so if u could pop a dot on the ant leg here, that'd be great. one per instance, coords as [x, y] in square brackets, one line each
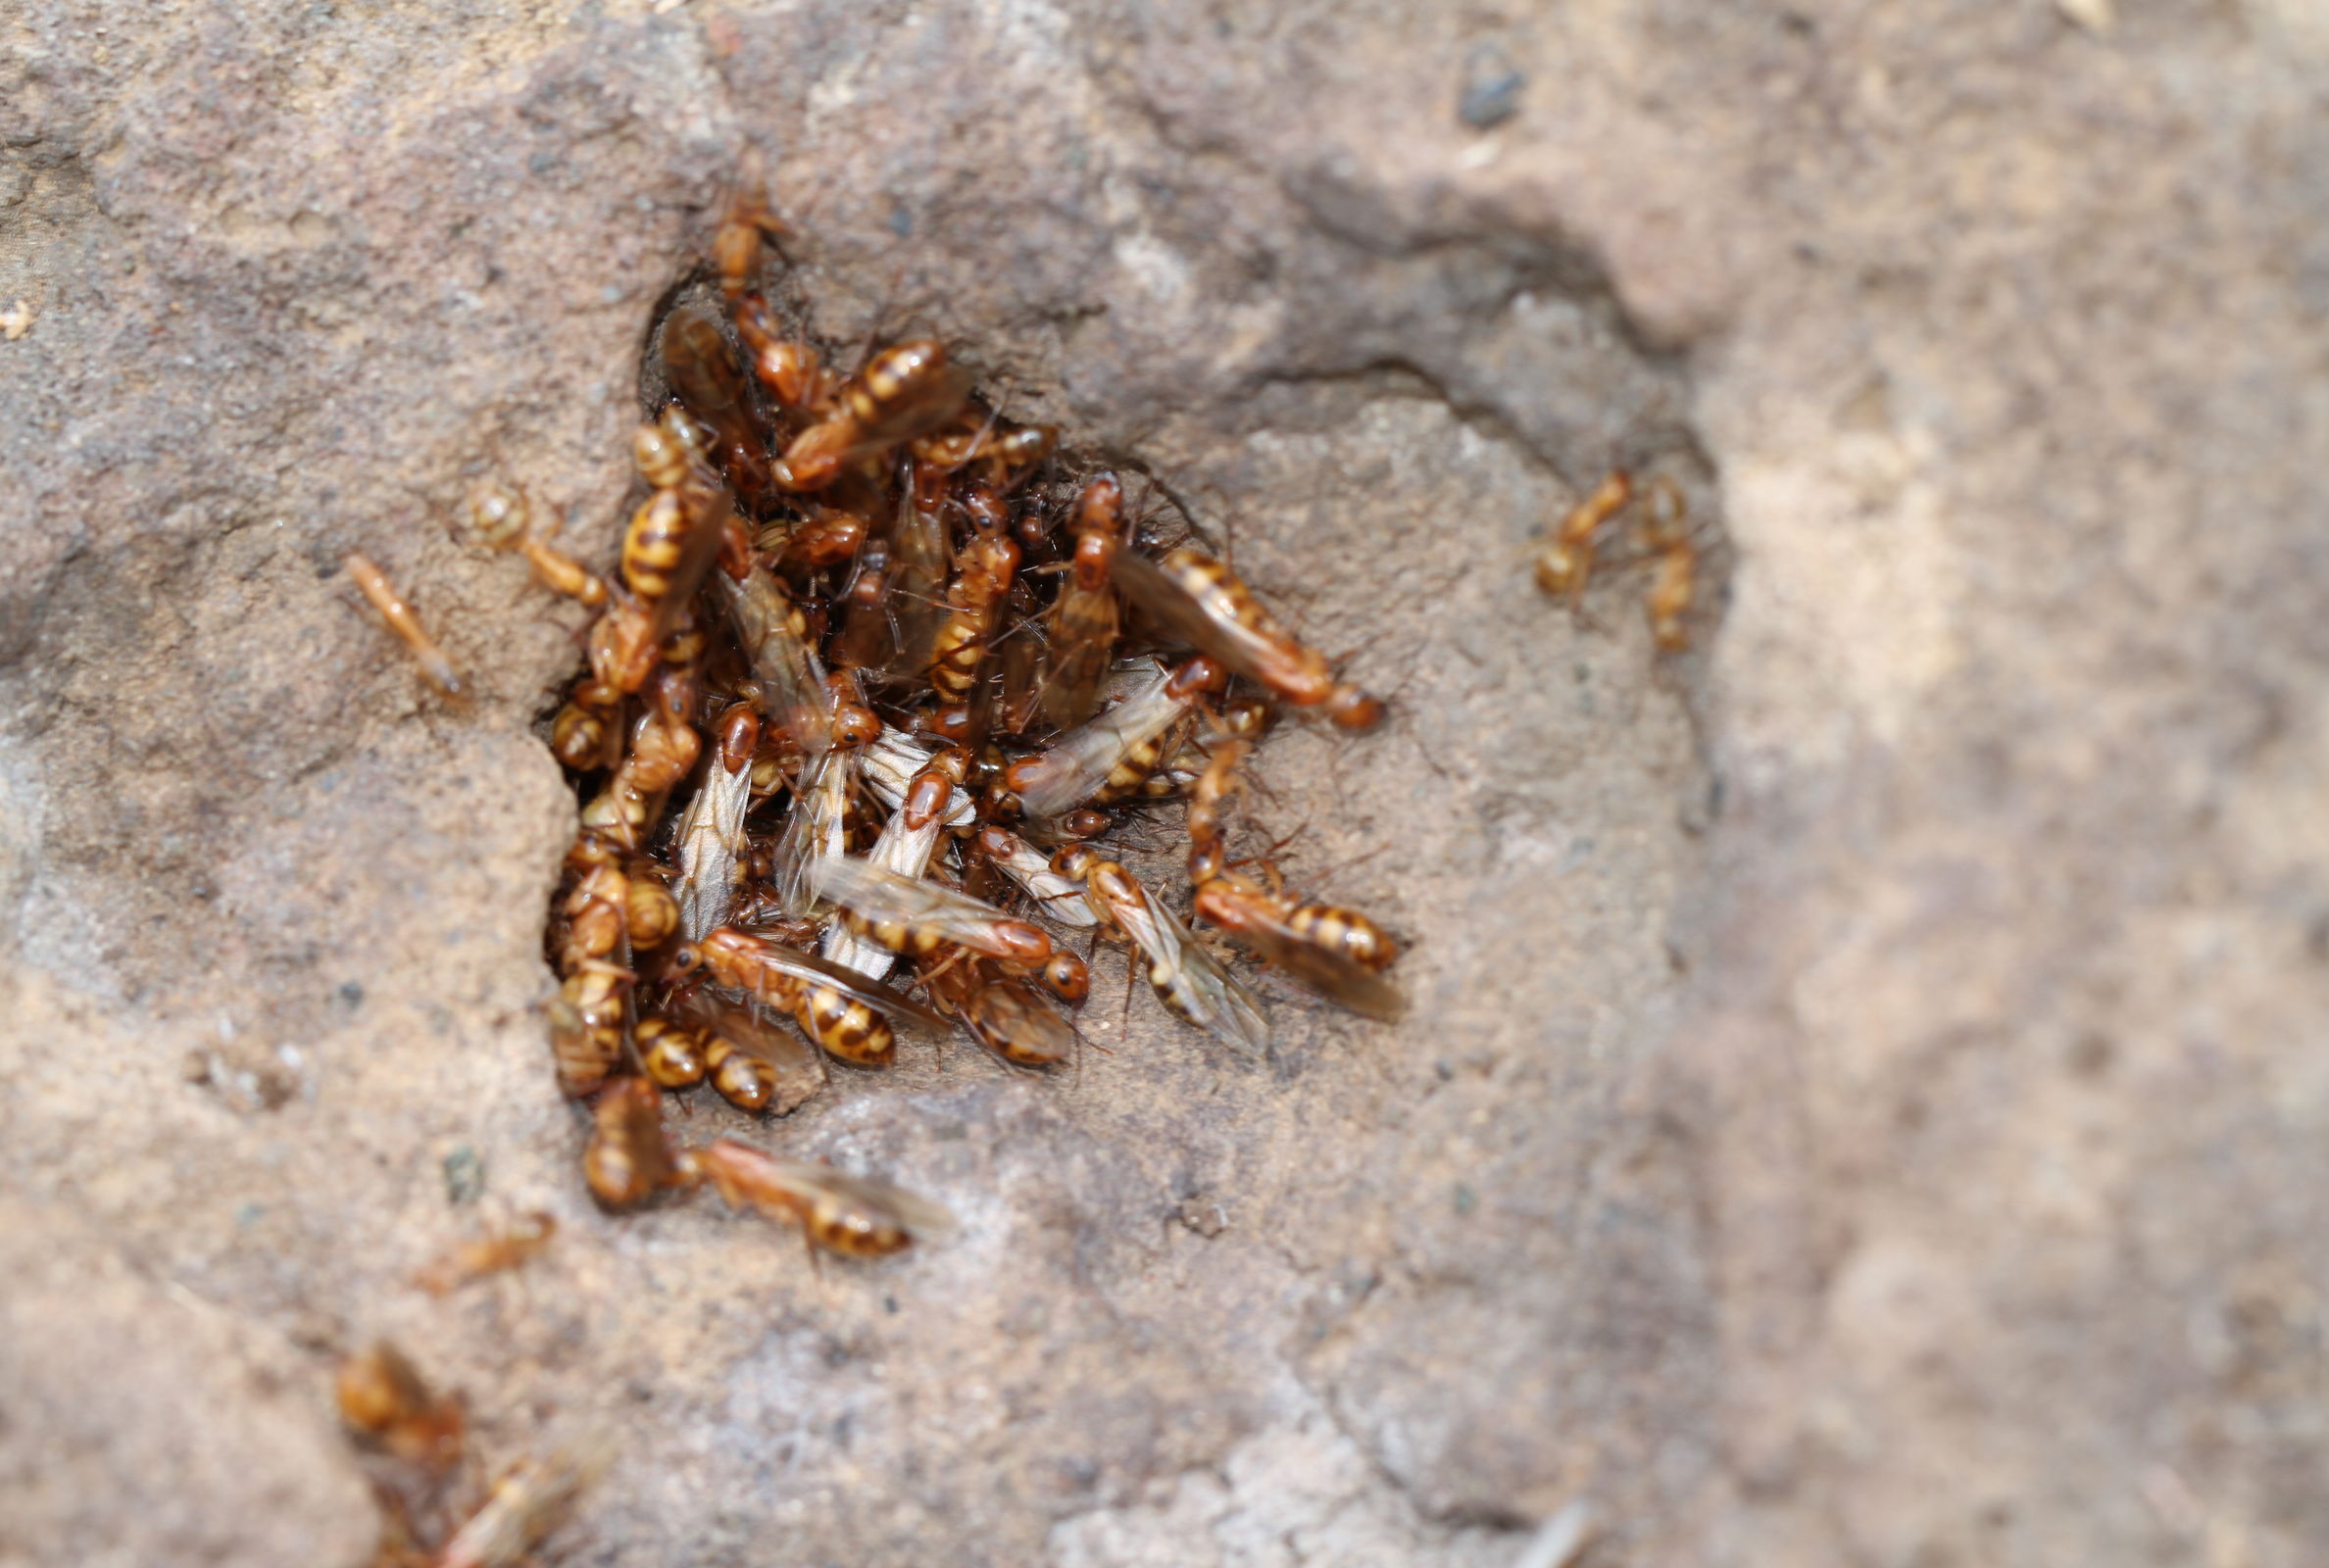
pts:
[1132, 960]
[994, 417]
[951, 960]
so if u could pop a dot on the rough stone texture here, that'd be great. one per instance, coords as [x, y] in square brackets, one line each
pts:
[1867, 1101]
[144, 1425]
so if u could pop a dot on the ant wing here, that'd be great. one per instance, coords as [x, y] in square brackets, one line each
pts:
[1323, 970]
[1189, 980]
[525, 1505]
[1231, 1011]
[710, 836]
[1244, 649]
[915, 1212]
[1077, 766]
[709, 512]
[932, 405]
[742, 1024]
[791, 681]
[1057, 897]
[848, 982]
[882, 895]
[890, 763]
[906, 852]
[1009, 1019]
[915, 599]
[1083, 632]
[812, 831]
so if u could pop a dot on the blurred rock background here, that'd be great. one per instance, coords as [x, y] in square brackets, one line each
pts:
[1867, 1099]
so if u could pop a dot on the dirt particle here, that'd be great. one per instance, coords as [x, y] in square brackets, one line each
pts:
[465, 1176]
[1491, 88]
[1203, 1216]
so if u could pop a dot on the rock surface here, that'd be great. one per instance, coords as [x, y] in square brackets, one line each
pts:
[1867, 1100]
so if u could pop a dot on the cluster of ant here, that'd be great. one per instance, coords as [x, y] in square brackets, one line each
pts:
[875, 679]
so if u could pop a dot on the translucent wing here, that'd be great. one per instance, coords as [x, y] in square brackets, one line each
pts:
[708, 508]
[800, 1071]
[889, 765]
[884, 896]
[900, 850]
[1251, 653]
[919, 1214]
[1188, 979]
[1121, 681]
[1003, 1013]
[1009, 1018]
[792, 683]
[1058, 897]
[1076, 768]
[917, 586]
[1333, 975]
[710, 840]
[1083, 633]
[913, 1211]
[707, 379]
[813, 832]
[527, 1503]
[930, 406]
[850, 982]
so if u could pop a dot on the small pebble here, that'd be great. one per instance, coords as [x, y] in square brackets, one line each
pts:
[465, 1176]
[1492, 86]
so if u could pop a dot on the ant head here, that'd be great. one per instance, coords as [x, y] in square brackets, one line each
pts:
[1560, 569]
[1068, 977]
[856, 724]
[889, 372]
[1100, 508]
[1352, 709]
[1198, 674]
[498, 512]
[1665, 509]
[590, 850]
[739, 736]
[1075, 859]
[984, 508]
[1245, 719]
